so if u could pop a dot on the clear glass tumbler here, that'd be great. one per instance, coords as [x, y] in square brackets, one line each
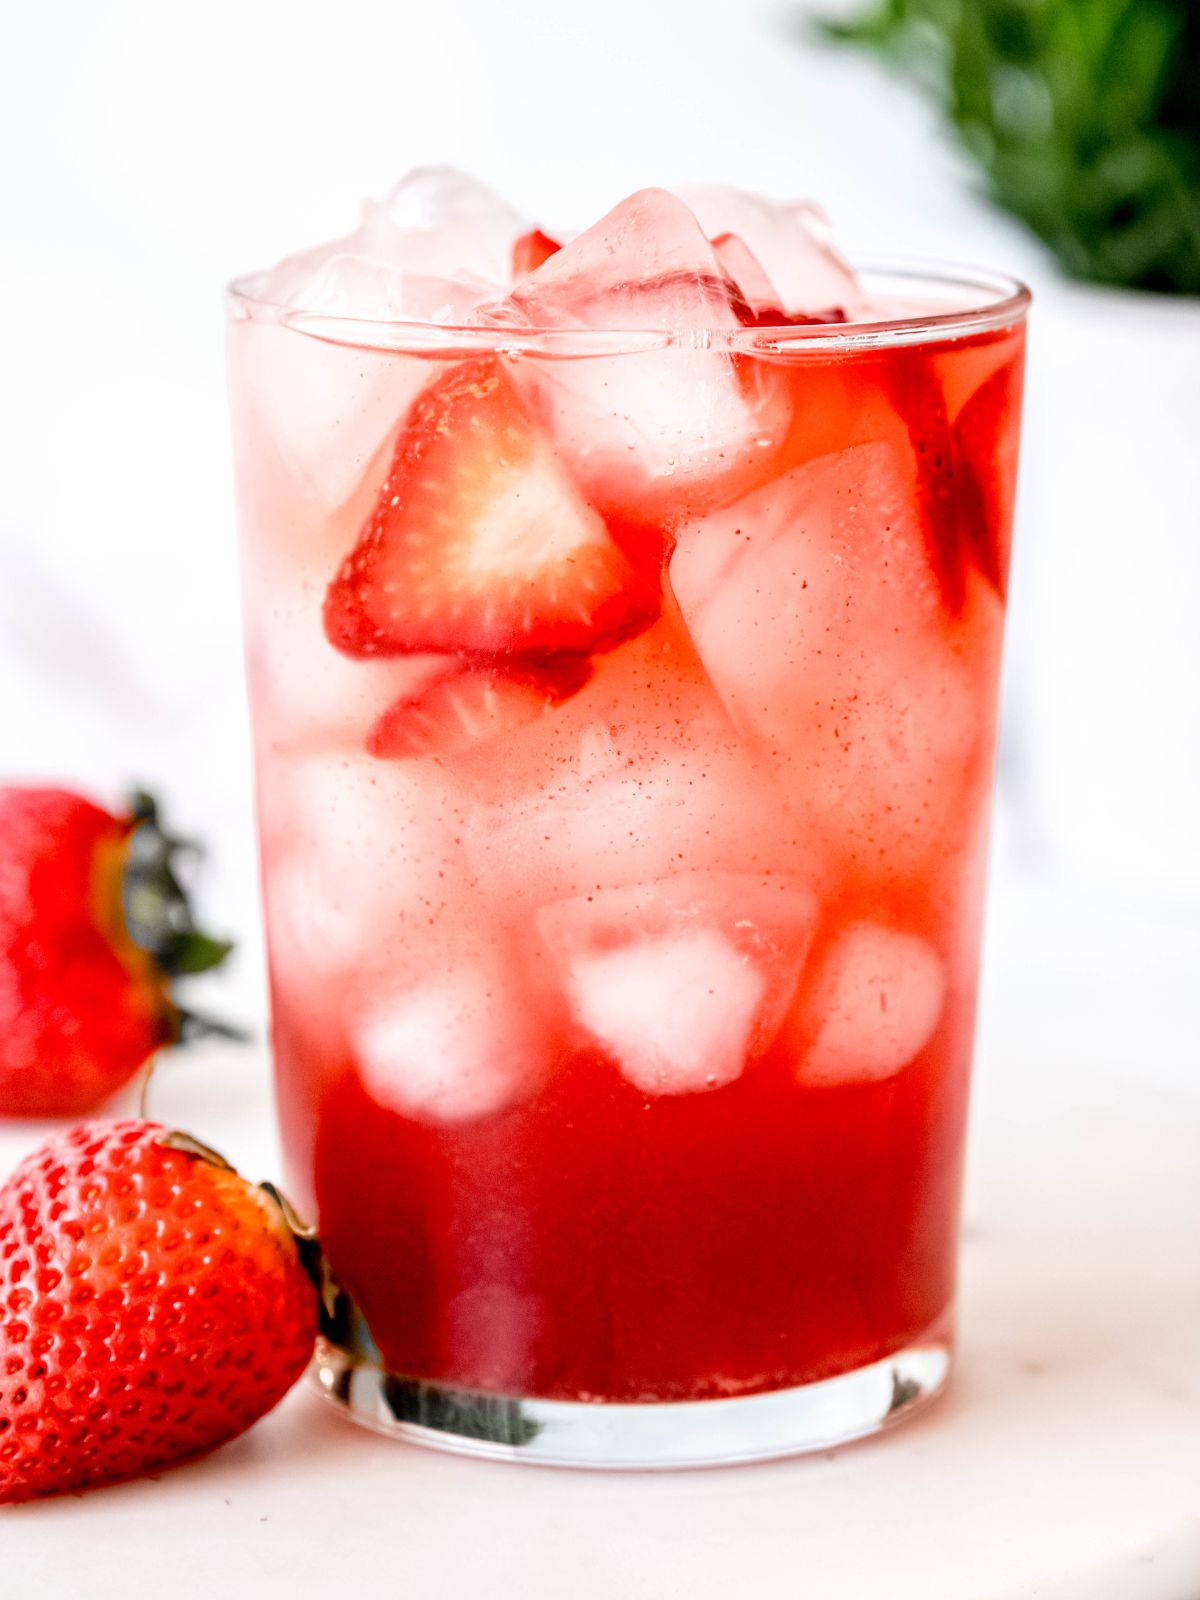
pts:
[624, 714]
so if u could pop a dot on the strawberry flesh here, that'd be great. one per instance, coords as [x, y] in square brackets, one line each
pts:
[531, 251]
[482, 546]
[465, 708]
[984, 437]
[921, 403]
[773, 317]
[965, 473]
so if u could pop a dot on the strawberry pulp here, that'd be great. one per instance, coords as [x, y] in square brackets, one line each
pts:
[624, 926]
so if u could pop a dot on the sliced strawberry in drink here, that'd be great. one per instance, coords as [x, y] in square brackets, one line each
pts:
[481, 545]
[531, 251]
[773, 317]
[965, 473]
[986, 440]
[919, 399]
[465, 708]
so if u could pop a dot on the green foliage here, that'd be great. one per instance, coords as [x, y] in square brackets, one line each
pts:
[1084, 115]
[157, 912]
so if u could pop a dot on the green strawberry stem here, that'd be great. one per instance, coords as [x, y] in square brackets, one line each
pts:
[158, 914]
[159, 920]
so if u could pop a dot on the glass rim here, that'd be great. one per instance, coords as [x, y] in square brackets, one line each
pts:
[995, 301]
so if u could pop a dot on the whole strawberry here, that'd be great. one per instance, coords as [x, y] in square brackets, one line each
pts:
[154, 1305]
[93, 925]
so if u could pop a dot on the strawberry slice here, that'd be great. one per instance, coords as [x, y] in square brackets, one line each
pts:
[481, 545]
[986, 440]
[531, 251]
[465, 708]
[966, 474]
[917, 394]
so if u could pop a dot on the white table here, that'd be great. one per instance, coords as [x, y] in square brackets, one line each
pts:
[1064, 1464]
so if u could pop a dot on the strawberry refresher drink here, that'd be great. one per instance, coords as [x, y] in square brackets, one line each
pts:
[624, 621]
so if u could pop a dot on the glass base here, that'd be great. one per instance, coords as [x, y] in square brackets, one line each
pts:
[692, 1433]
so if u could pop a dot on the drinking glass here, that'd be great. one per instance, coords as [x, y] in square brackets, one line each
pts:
[624, 712]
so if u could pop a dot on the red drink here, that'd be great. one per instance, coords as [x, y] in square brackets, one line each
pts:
[623, 814]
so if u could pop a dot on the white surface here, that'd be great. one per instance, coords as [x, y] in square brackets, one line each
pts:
[1064, 1464]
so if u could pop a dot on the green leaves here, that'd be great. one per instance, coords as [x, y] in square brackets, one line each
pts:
[158, 915]
[1083, 114]
[197, 952]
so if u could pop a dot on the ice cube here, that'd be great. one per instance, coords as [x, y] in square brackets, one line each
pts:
[361, 859]
[677, 1011]
[452, 1048]
[308, 693]
[672, 414]
[646, 265]
[305, 691]
[352, 285]
[438, 245]
[432, 251]
[817, 617]
[628, 824]
[638, 776]
[766, 918]
[873, 1005]
[790, 242]
[316, 421]
[438, 222]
